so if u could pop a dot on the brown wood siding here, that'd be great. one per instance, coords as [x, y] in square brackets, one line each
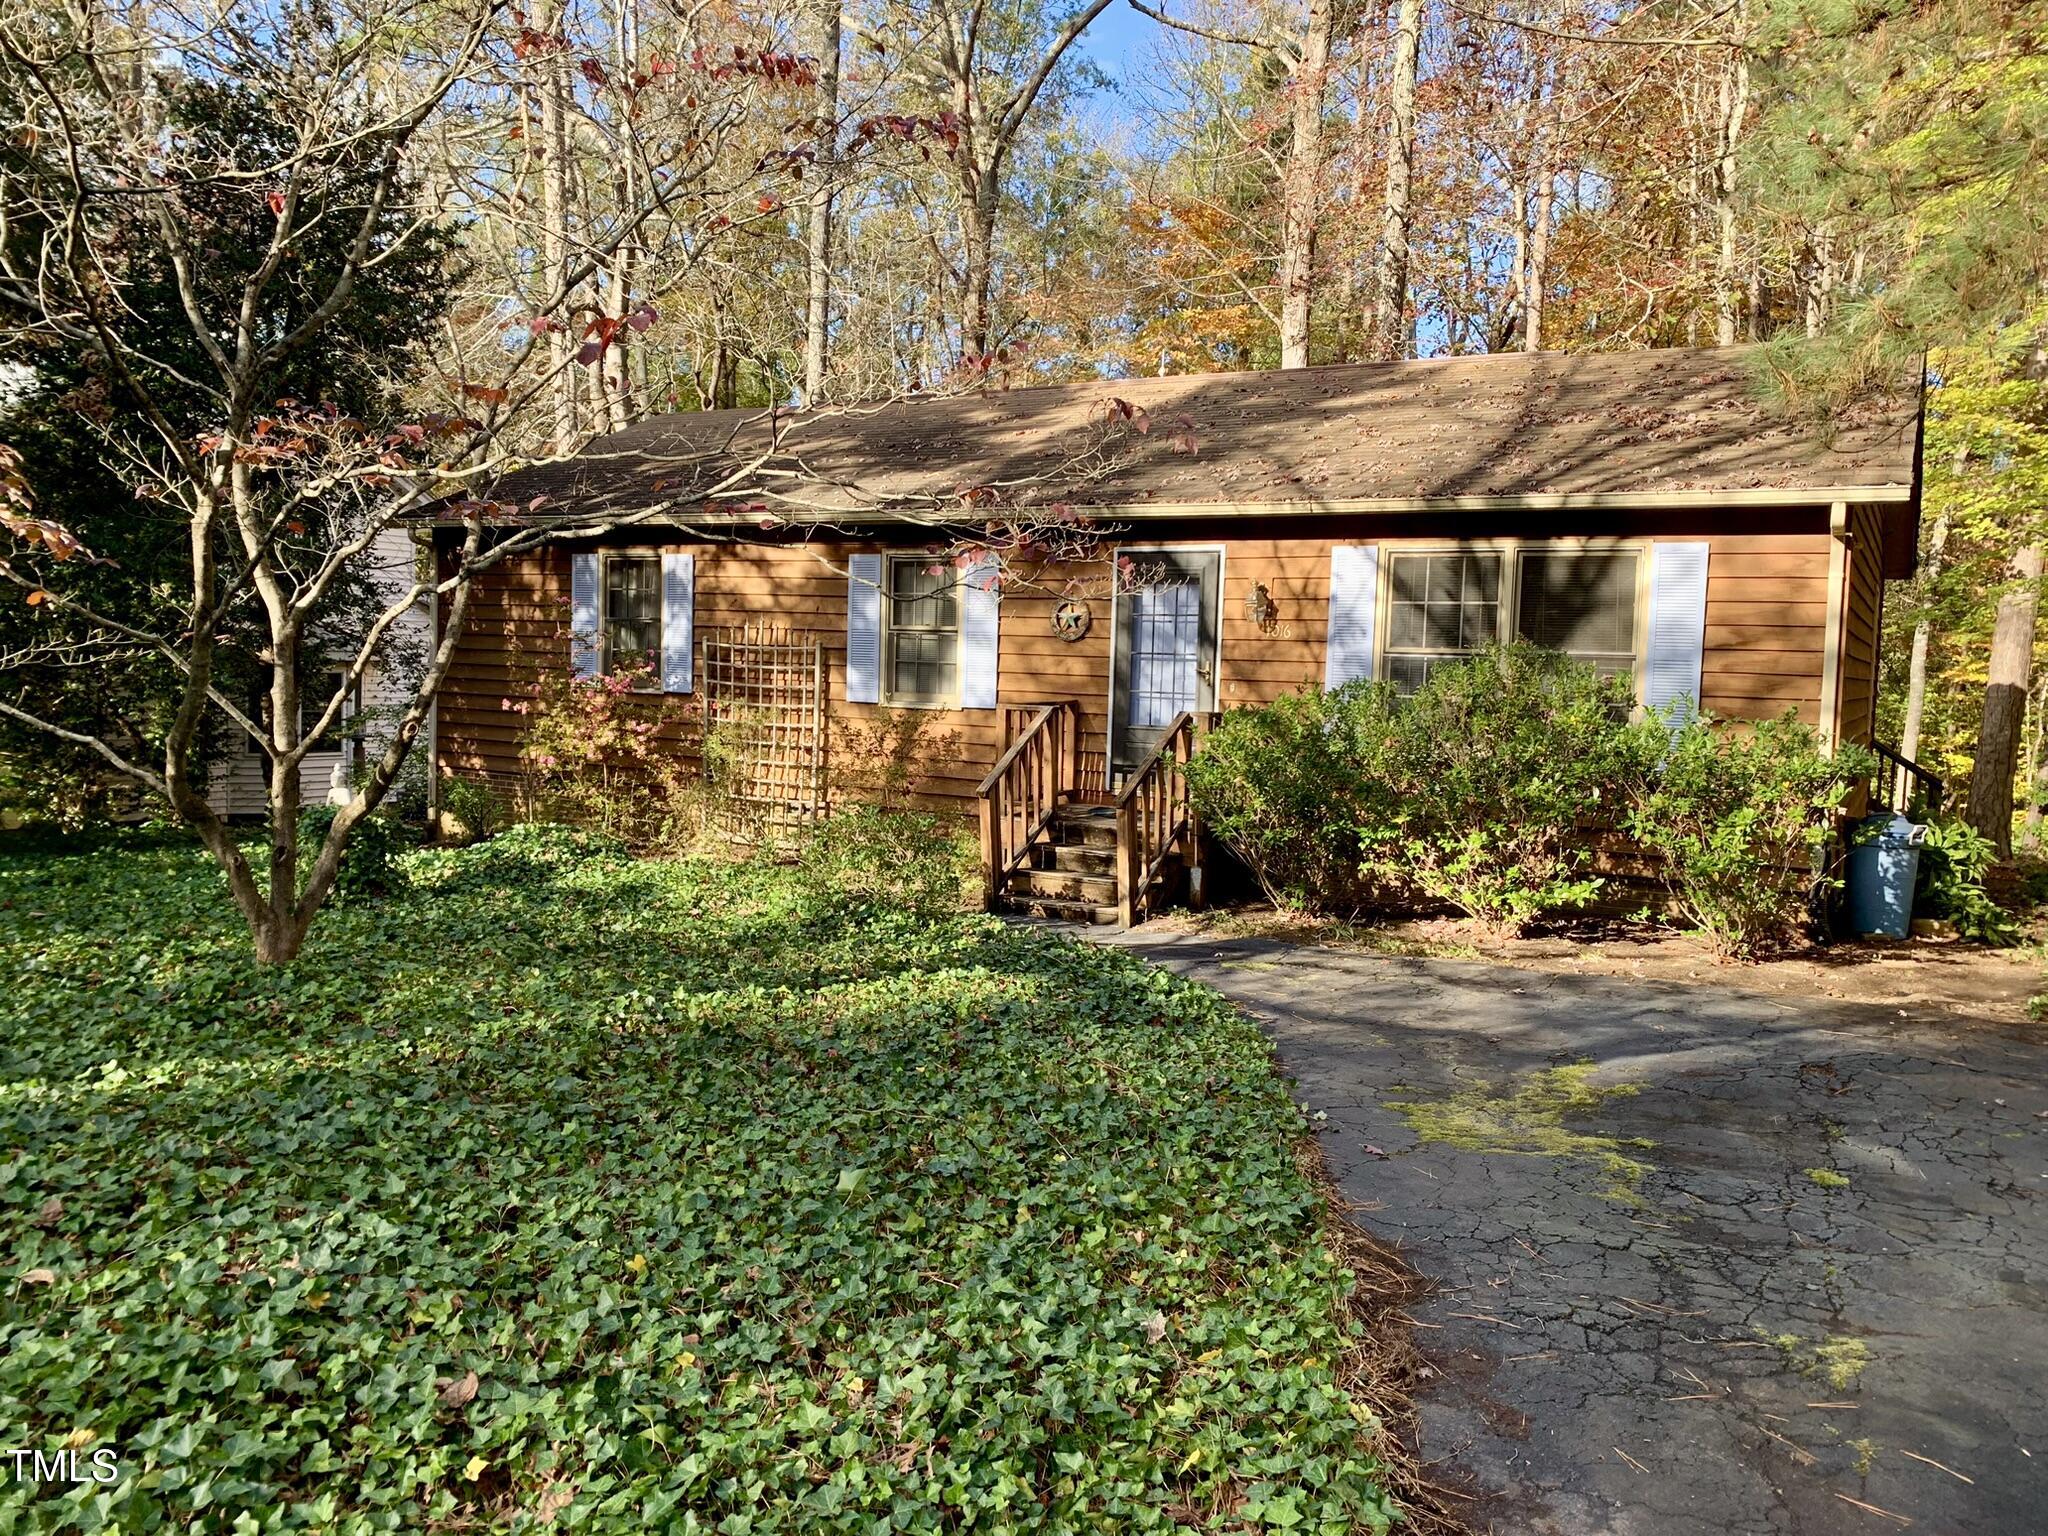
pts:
[1765, 628]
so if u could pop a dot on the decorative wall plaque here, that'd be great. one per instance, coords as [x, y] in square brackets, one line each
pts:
[1070, 620]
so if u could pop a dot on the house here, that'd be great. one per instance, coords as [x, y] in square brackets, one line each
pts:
[1201, 542]
[238, 784]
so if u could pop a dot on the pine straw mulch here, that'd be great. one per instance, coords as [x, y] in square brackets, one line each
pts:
[1384, 1368]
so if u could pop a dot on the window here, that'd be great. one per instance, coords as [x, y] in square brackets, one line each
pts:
[1442, 604]
[632, 615]
[921, 633]
[1581, 602]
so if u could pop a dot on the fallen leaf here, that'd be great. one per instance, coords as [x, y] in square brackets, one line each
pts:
[39, 1277]
[455, 1394]
[1155, 1327]
[475, 1468]
[51, 1213]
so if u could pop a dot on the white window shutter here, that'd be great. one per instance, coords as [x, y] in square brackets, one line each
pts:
[1354, 595]
[585, 650]
[863, 629]
[678, 621]
[1678, 629]
[981, 607]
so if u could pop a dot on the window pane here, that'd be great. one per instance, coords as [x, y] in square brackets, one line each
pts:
[632, 610]
[1445, 605]
[920, 598]
[1582, 603]
[924, 631]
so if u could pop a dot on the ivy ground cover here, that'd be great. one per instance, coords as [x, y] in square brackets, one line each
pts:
[606, 1196]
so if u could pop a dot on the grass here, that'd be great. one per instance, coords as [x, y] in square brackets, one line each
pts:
[618, 1196]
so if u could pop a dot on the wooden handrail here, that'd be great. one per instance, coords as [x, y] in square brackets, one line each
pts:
[1154, 817]
[1023, 792]
[1017, 747]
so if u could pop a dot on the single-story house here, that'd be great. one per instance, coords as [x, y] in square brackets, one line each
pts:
[1199, 542]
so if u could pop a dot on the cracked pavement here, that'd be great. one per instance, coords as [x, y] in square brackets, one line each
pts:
[1606, 1370]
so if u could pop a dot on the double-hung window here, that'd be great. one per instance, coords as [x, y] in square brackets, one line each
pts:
[921, 632]
[1444, 604]
[632, 616]
[1581, 602]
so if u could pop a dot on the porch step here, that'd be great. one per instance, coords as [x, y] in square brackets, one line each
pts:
[1063, 885]
[1072, 911]
[1081, 858]
[1090, 826]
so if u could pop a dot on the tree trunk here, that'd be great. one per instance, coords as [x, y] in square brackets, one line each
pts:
[1916, 668]
[1539, 251]
[1734, 102]
[2005, 703]
[1301, 190]
[1390, 297]
[978, 239]
[818, 235]
[554, 163]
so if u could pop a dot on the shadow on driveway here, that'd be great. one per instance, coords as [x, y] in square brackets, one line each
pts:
[1724, 1342]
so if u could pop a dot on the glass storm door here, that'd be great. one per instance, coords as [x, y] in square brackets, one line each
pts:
[1165, 647]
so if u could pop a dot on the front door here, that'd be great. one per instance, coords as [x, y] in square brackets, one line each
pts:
[1165, 659]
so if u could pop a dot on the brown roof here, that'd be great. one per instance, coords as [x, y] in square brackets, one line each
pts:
[1506, 425]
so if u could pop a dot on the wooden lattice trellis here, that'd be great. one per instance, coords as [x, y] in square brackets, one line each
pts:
[763, 693]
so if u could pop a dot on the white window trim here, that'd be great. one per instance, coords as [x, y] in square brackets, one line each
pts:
[1509, 606]
[604, 618]
[886, 694]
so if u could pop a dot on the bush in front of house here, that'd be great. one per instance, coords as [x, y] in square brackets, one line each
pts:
[1486, 789]
[530, 853]
[1740, 821]
[1286, 787]
[369, 862]
[1499, 765]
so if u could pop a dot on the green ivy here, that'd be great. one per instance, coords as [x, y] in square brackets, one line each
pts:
[629, 1196]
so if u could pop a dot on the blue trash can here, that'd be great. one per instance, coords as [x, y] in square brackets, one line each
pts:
[1884, 862]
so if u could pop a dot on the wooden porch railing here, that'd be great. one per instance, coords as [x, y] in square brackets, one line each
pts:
[1898, 777]
[1022, 793]
[1153, 817]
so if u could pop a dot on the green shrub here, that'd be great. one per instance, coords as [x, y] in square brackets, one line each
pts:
[471, 809]
[1740, 819]
[1499, 766]
[369, 864]
[530, 853]
[863, 858]
[1953, 862]
[1286, 786]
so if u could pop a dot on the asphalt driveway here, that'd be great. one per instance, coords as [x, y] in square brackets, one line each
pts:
[1764, 1267]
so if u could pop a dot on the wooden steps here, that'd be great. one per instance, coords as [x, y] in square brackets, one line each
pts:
[1049, 850]
[1071, 871]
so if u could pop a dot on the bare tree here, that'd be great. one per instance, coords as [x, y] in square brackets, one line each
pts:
[990, 68]
[385, 118]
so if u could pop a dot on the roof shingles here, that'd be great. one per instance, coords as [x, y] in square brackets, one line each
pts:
[1493, 426]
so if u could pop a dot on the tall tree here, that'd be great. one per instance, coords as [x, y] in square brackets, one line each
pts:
[1390, 335]
[989, 63]
[824, 45]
